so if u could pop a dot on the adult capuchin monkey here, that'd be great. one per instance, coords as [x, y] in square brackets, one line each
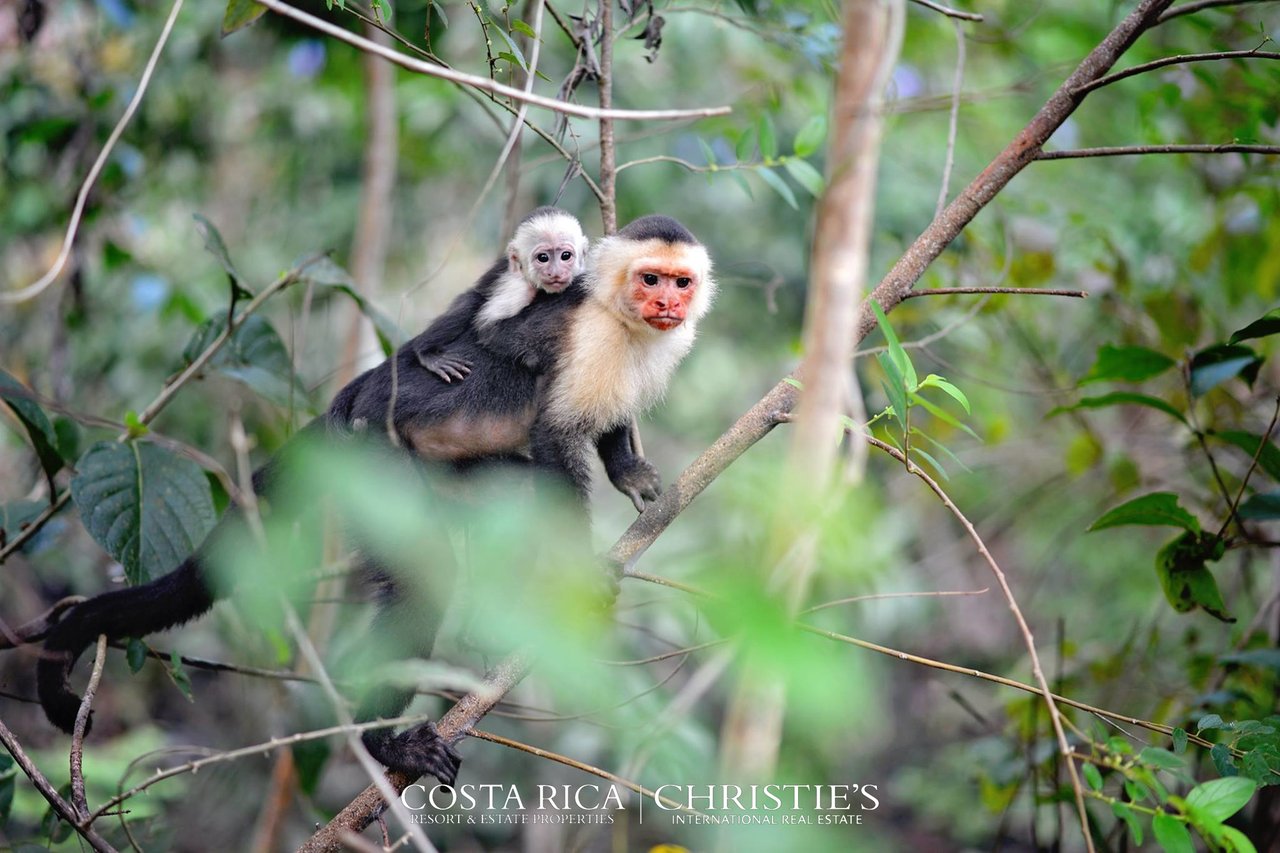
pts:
[568, 371]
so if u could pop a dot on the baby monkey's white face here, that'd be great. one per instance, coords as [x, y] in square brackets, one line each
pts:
[553, 264]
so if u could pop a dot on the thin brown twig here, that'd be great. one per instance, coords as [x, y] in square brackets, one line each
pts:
[46, 789]
[1024, 291]
[79, 800]
[1133, 150]
[40, 285]
[881, 596]
[1023, 627]
[579, 765]
[1192, 8]
[1256, 53]
[482, 83]
[1253, 465]
[948, 11]
[247, 751]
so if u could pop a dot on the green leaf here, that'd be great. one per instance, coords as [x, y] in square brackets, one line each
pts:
[1209, 722]
[1179, 741]
[324, 272]
[768, 139]
[779, 186]
[1119, 398]
[806, 176]
[1122, 811]
[1163, 759]
[1261, 658]
[1221, 756]
[1171, 834]
[148, 507]
[810, 137]
[43, 436]
[706, 151]
[255, 356]
[439, 10]
[742, 182]
[240, 14]
[1092, 776]
[52, 825]
[1186, 582]
[893, 388]
[1268, 459]
[1218, 799]
[942, 472]
[517, 57]
[793, 382]
[521, 27]
[214, 244]
[942, 415]
[1233, 840]
[135, 653]
[746, 145]
[1267, 324]
[8, 778]
[1127, 364]
[1216, 364]
[896, 352]
[1156, 509]
[179, 675]
[508, 56]
[1261, 507]
[933, 380]
[940, 446]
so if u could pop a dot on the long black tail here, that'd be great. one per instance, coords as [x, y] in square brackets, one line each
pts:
[166, 602]
[169, 601]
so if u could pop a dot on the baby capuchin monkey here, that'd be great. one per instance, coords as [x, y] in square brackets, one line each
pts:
[546, 253]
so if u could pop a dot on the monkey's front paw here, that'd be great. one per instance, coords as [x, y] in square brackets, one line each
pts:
[640, 481]
[445, 366]
[421, 750]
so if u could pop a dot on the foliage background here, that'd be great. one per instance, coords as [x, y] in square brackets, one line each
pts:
[263, 133]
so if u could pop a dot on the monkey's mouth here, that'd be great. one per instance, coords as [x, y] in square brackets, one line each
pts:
[555, 286]
[664, 322]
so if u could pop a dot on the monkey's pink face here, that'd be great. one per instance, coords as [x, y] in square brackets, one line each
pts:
[662, 294]
[553, 265]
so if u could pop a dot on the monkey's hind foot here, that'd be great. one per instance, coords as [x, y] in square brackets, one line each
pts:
[420, 751]
[445, 366]
[639, 481]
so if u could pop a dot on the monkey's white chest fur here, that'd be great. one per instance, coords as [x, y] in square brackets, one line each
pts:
[609, 372]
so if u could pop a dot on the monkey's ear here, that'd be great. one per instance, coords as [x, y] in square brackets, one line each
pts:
[513, 261]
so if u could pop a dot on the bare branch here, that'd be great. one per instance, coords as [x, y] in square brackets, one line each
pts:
[1023, 291]
[482, 83]
[1028, 639]
[78, 798]
[1181, 59]
[1192, 8]
[30, 632]
[952, 123]
[881, 596]
[1129, 150]
[948, 11]
[37, 287]
[46, 789]
[246, 752]
[579, 765]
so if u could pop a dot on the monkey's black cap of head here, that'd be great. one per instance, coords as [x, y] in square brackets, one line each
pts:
[655, 226]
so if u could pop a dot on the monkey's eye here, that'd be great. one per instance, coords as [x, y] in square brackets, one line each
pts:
[649, 279]
[683, 281]
[542, 257]
[566, 255]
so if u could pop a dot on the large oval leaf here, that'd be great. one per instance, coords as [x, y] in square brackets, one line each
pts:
[1218, 799]
[147, 506]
